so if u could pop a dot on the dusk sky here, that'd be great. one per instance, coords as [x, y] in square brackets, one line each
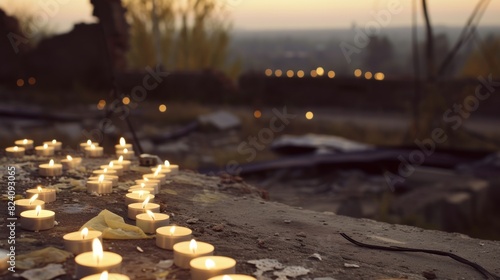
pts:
[290, 14]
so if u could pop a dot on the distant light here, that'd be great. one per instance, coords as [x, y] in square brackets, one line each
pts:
[278, 73]
[320, 71]
[289, 73]
[162, 108]
[31, 81]
[101, 104]
[309, 115]
[126, 100]
[300, 74]
[331, 74]
[20, 82]
[358, 73]
[368, 75]
[313, 73]
[257, 114]
[268, 72]
[379, 76]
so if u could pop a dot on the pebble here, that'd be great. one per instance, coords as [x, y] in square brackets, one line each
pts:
[218, 227]
[192, 221]
[287, 221]
[301, 234]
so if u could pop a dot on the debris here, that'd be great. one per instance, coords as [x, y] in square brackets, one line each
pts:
[113, 226]
[351, 265]
[140, 249]
[301, 234]
[165, 264]
[192, 221]
[287, 221]
[264, 265]
[218, 227]
[316, 256]
[429, 275]
[41, 257]
[46, 273]
[291, 271]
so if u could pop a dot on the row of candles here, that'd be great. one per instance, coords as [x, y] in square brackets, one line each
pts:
[94, 263]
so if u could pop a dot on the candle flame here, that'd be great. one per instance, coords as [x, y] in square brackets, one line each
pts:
[92, 146]
[159, 167]
[120, 159]
[157, 172]
[104, 275]
[193, 246]
[145, 203]
[143, 185]
[172, 230]
[45, 146]
[38, 209]
[97, 251]
[101, 178]
[110, 164]
[68, 157]
[25, 141]
[151, 214]
[167, 163]
[125, 151]
[89, 142]
[146, 179]
[105, 170]
[209, 264]
[16, 148]
[33, 198]
[84, 232]
[54, 141]
[122, 141]
[39, 188]
[226, 277]
[141, 194]
[51, 162]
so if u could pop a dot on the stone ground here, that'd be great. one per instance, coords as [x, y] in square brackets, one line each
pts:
[241, 224]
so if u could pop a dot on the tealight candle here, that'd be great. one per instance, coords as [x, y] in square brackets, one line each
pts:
[106, 276]
[135, 197]
[137, 188]
[15, 151]
[203, 268]
[148, 182]
[97, 261]
[55, 144]
[123, 145]
[80, 241]
[70, 162]
[38, 219]
[47, 195]
[104, 171]
[112, 178]
[138, 208]
[94, 151]
[87, 145]
[112, 166]
[28, 204]
[173, 167]
[100, 186]
[150, 221]
[167, 237]
[44, 150]
[125, 163]
[155, 176]
[232, 277]
[50, 169]
[125, 153]
[25, 143]
[162, 170]
[185, 251]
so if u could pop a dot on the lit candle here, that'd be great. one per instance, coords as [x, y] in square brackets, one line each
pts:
[148, 182]
[104, 171]
[28, 204]
[173, 167]
[167, 237]
[47, 195]
[106, 276]
[150, 221]
[44, 150]
[185, 251]
[233, 277]
[155, 176]
[94, 151]
[161, 169]
[51, 169]
[138, 208]
[87, 145]
[143, 186]
[55, 144]
[15, 151]
[125, 153]
[38, 219]
[123, 145]
[70, 162]
[112, 166]
[112, 178]
[97, 261]
[125, 163]
[80, 241]
[100, 186]
[203, 268]
[136, 197]
[25, 143]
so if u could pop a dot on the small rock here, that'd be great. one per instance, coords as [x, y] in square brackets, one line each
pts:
[140, 249]
[192, 221]
[165, 264]
[276, 234]
[218, 227]
[287, 221]
[429, 275]
[351, 265]
[301, 234]
[316, 256]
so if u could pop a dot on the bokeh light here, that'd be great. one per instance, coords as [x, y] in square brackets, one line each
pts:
[358, 73]
[278, 73]
[300, 74]
[368, 75]
[20, 82]
[379, 76]
[257, 114]
[268, 72]
[126, 100]
[320, 71]
[313, 73]
[309, 115]
[162, 108]
[331, 74]
[289, 73]
[101, 104]
[31, 81]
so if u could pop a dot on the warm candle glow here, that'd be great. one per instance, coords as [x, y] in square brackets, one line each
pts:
[38, 209]
[25, 141]
[16, 148]
[68, 157]
[150, 214]
[193, 246]
[146, 201]
[97, 251]
[125, 151]
[110, 164]
[209, 264]
[39, 189]
[45, 146]
[146, 179]
[141, 194]
[167, 163]
[101, 178]
[33, 198]
[172, 230]
[54, 141]
[226, 277]
[157, 172]
[122, 141]
[120, 159]
[92, 146]
[105, 170]
[143, 185]
[89, 142]
[104, 275]
[84, 233]
[51, 162]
